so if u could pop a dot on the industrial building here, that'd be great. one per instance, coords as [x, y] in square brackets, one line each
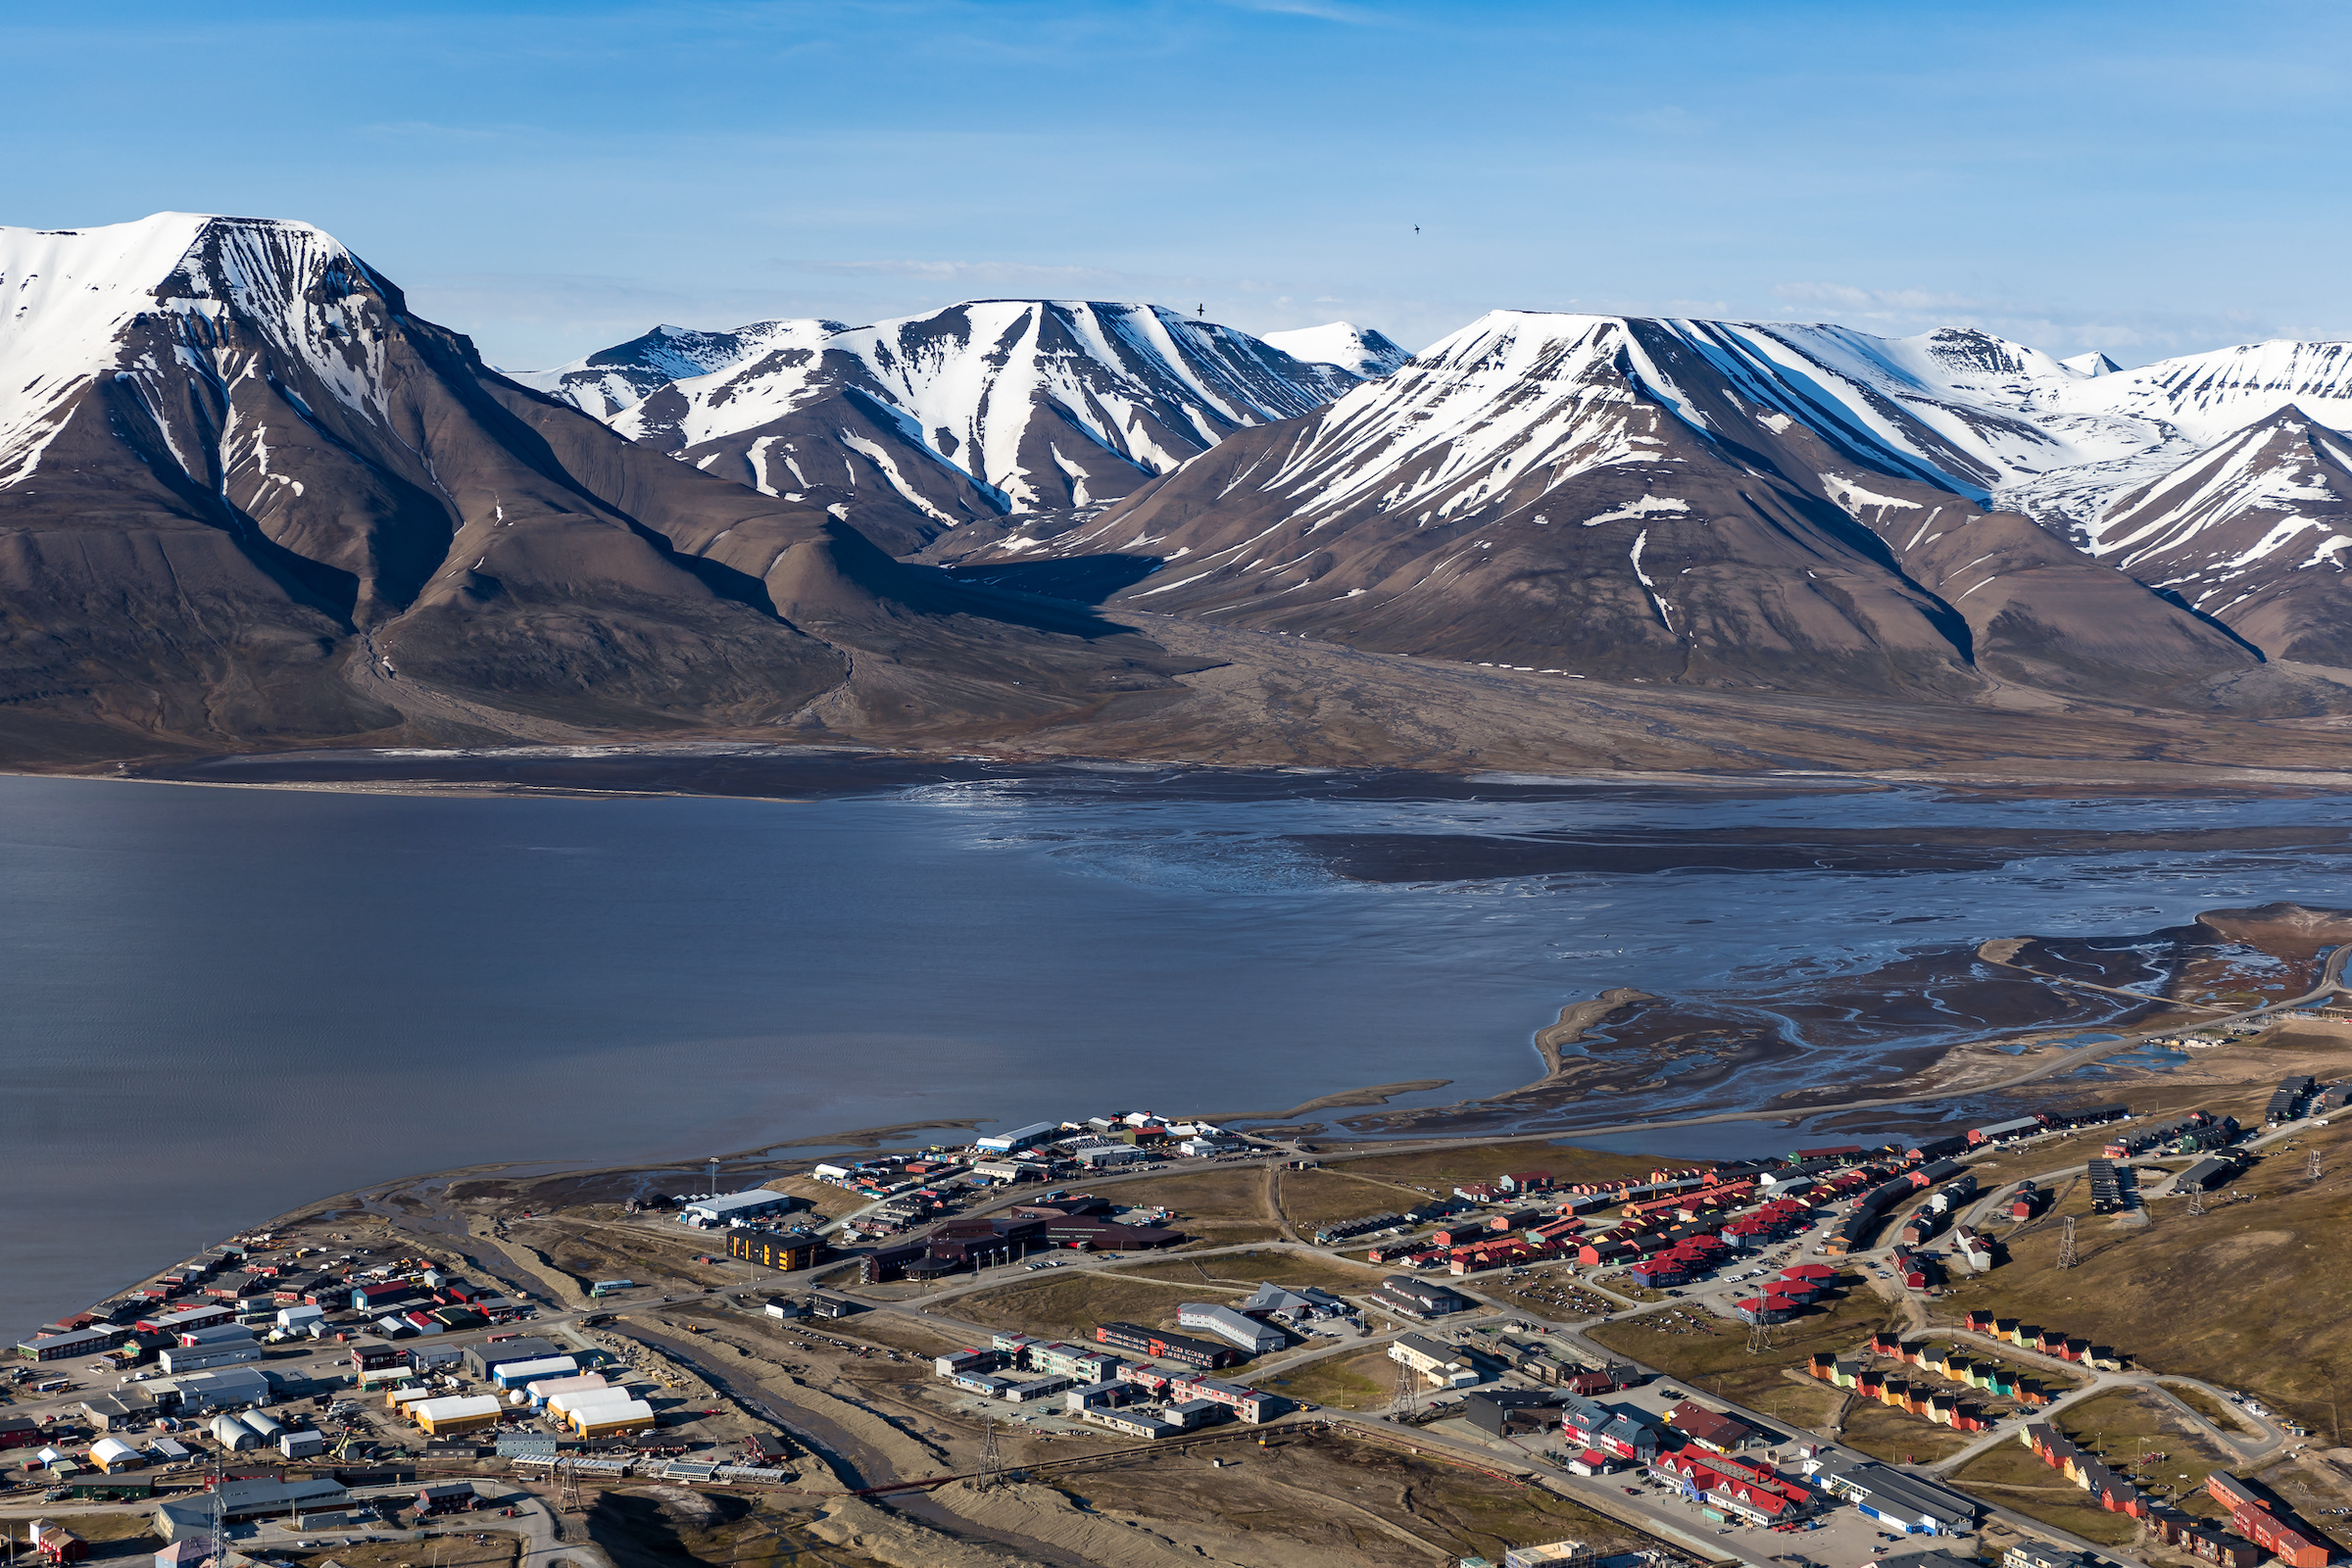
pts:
[1511, 1412]
[615, 1419]
[195, 1393]
[570, 1401]
[458, 1413]
[515, 1374]
[111, 1454]
[2206, 1173]
[1895, 1497]
[738, 1208]
[240, 1501]
[1018, 1138]
[182, 1358]
[178, 1323]
[546, 1389]
[484, 1359]
[80, 1341]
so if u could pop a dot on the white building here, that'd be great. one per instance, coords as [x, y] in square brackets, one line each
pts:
[1018, 1138]
[1200, 1145]
[1441, 1363]
[737, 1207]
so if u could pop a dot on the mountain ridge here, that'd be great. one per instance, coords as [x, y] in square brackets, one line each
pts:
[923, 423]
[1517, 421]
[249, 498]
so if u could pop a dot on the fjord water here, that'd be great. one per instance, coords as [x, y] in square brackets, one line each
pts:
[222, 1004]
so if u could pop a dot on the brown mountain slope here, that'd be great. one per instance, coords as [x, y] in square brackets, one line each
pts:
[2253, 531]
[1623, 500]
[265, 497]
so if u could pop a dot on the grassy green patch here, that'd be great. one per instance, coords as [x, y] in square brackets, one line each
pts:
[2158, 1294]
[1066, 1306]
[1248, 1270]
[1363, 1381]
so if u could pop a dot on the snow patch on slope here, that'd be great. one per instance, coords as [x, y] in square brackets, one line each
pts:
[966, 383]
[66, 297]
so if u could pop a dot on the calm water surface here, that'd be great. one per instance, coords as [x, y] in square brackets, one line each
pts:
[221, 1003]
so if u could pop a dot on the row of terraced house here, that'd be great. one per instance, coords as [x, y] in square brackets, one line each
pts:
[2261, 1525]
[2056, 1343]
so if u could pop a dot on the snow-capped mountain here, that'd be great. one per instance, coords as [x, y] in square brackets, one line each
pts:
[1359, 350]
[1510, 424]
[2206, 397]
[973, 412]
[1659, 500]
[614, 381]
[245, 493]
[2254, 530]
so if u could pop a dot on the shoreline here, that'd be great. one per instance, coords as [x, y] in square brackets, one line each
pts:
[376, 770]
[1999, 1061]
[1355, 1144]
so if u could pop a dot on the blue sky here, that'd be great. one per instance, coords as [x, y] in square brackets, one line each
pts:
[2148, 178]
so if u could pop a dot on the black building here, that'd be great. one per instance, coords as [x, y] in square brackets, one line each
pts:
[484, 1360]
[1509, 1412]
[774, 1249]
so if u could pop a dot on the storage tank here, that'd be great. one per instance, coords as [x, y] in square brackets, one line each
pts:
[234, 1434]
[112, 1453]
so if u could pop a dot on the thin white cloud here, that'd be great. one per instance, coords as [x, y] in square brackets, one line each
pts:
[947, 271]
[2130, 335]
[1846, 296]
[1320, 9]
